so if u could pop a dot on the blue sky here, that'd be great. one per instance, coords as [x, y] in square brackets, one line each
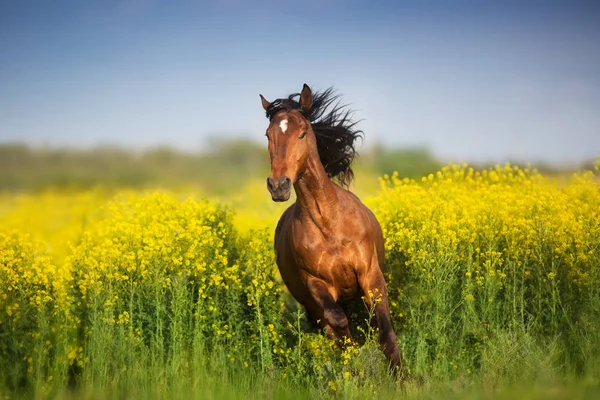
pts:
[473, 80]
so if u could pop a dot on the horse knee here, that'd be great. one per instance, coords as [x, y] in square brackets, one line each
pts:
[336, 318]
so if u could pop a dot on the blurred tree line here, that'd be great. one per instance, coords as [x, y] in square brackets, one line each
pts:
[221, 168]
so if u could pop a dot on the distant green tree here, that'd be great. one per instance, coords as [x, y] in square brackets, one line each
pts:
[408, 162]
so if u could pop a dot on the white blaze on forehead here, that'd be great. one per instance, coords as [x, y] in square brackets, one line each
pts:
[283, 125]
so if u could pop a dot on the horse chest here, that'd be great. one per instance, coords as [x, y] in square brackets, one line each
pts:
[334, 261]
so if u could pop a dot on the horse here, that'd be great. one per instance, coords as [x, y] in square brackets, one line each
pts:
[329, 246]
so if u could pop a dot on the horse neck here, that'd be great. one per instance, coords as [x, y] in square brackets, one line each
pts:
[316, 194]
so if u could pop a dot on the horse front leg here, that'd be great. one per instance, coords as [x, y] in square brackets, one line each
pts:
[334, 320]
[314, 314]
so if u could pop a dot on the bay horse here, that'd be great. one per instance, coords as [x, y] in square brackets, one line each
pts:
[329, 245]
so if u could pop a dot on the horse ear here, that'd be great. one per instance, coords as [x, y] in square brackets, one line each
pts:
[264, 101]
[306, 97]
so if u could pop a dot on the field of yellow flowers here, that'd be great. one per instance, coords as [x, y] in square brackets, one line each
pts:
[494, 280]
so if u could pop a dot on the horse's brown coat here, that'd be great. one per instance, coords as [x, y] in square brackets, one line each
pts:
[329, 245]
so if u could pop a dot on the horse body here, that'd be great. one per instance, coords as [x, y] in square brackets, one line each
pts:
[329, 245]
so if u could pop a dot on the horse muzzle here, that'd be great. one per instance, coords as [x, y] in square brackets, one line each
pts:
[280, 188]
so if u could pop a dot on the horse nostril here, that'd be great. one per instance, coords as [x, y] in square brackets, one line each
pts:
[270, 183]
[284, 183]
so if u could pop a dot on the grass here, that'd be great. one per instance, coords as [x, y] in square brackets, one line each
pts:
[493, 279]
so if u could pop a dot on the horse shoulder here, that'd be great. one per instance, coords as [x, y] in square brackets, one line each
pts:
[361, 226]
[282, 223]
[282, 235]
[291, 273]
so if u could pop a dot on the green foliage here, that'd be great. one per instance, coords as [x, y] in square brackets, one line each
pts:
[33, 315]
[216, 170]
[221, 168]
[408, 163]
[493, 281]
[494, 272]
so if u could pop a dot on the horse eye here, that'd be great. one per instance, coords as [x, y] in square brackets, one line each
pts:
[268, 137]
[302, 135]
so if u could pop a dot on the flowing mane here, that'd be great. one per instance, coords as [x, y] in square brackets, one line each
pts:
[335, 131]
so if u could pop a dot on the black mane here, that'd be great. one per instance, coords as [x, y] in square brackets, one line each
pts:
[333, 127]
